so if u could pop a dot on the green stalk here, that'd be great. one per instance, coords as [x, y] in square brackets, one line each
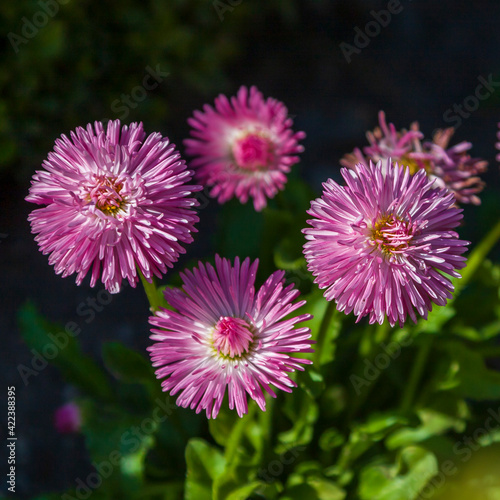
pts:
[152, 293]
[323, 329]
[382, 332]
[369, 349]
[265, 419]
[416, 373]
[477, 257]
[237, 434]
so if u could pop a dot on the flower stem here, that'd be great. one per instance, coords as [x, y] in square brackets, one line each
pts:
[265, 419]
[477, 257]
[416, 372]
[382, 332]
[237, 434]
[323, 329]
[369, 348]
[152, 293]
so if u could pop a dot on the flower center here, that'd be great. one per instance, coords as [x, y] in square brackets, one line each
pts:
[105, 194]
[391, 235]
[231, 336]
[414, 165]
[253, 152]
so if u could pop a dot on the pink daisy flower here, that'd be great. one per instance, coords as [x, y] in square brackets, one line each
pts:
[384, 245]
[117, 202]
[451, 168]
[386, 142]
[68, 419]
[244, 147]
[224, 334]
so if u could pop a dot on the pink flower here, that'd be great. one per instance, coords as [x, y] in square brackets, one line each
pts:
[68, 419]
[224, 334]
[497, 144]
[384, 245]
[244, 147]
[451, 168]
[117, 202]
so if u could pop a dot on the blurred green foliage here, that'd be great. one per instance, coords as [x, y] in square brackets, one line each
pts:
[68, 63]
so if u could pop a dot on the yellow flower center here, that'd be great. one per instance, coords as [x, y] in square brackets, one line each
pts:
[106, 195]
[414, 165]
[391, 235]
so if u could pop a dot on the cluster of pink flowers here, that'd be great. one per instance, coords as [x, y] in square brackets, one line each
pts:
[118, 204]
[450, 167]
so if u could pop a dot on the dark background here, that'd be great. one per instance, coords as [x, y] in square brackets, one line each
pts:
[428, 58]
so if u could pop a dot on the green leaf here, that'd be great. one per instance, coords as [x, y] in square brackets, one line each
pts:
[52, 343]
[302, 411]
[436, 319]
[286, 256]
[242, 492]
[314, 488]
[222, 426]
[311, 381]
[364, 435]
[330, 439]
[117, 440]
[468, 375]
[385, 482]
[358, 443]
[433, 424]
[204, 464]
[477, 334]
[126, 364]
[326, 490]
[379, 425]
[299, 492]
